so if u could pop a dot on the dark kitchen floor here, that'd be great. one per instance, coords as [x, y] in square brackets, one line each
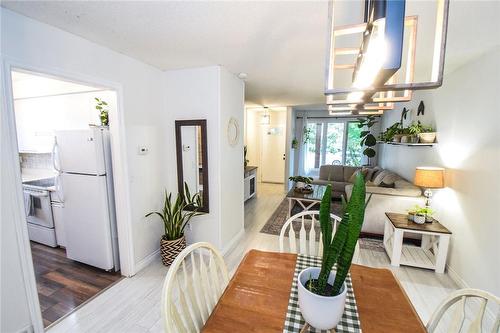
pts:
[64, 284]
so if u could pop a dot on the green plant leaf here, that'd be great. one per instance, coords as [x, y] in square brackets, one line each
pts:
[370, 140]
[369, 152]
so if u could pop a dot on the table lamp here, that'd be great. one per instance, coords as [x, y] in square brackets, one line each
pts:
[429, 178]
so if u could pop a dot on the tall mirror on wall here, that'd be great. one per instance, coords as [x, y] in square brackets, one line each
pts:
[192, 158]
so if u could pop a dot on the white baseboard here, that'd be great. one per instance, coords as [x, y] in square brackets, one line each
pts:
[26, 329]
[456, 278]
[146, 261]
[232, 244]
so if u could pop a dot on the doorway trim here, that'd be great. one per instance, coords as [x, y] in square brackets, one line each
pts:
[120, 179]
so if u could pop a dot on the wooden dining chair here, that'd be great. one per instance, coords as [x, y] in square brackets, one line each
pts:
[307, 236]
[459, 316]
[193, 285]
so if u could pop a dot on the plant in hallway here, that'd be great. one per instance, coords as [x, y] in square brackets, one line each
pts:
[308, 135]
[322, 292]
[175, 217]
[367, 138]
[102, 107]
[295, 143]
[300, 181]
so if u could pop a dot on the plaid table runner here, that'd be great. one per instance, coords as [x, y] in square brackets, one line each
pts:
[294, 321]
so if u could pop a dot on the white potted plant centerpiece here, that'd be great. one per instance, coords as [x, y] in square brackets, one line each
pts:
[322, 292]
[175, 216]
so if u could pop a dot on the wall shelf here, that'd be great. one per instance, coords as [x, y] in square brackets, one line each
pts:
[408, 144]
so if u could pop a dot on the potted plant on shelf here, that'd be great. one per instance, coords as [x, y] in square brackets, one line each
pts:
[427, 134]
[415, 129]
[301, 181]
[398, 135]
[389, 133]
[322, 292]
[406, 136]
[175, 218]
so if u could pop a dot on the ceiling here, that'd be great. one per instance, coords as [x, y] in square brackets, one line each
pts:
[279, 44]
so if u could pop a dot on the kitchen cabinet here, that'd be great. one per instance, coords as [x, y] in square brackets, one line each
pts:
[250, 182]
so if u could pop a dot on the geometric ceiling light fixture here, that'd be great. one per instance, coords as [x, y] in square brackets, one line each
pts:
[378, 64]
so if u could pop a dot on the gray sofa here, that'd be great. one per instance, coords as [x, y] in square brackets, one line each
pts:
[336, 175]
[389, 193]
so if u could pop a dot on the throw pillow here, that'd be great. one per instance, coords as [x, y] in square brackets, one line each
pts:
[383, 184]
[379, 177]
[390, 178]
[353, 176]
[377, 171]
[369, 173]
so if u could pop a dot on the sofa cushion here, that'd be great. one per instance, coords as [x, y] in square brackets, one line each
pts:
[331, 172]
[379, 177]
[349, 172]
[376, 171]
[369, 173]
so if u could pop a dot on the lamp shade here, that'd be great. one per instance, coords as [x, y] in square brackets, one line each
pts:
[429, 177]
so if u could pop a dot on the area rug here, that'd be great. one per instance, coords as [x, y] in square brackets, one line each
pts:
[278, 218]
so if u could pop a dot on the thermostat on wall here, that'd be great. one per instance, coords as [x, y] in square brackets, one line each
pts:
[143, 150]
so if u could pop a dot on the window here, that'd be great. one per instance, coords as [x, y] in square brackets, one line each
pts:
[331, 142]
[354, 152]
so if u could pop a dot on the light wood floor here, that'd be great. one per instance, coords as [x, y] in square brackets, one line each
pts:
[133, 304]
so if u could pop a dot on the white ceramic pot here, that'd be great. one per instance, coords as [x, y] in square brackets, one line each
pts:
[420, 219]
[300, 184]
[321, 312]
[427, 137]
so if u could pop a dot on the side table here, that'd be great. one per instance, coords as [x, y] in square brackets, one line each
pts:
[434, 248]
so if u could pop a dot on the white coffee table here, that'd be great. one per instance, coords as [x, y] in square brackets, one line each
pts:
[305, 200]
[434, 248]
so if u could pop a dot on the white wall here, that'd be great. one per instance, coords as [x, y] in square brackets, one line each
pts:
[213, 94]
[232, 105]
[38, 118]
[465, 113]
[14, 309]
[38, 46]
[41, 46]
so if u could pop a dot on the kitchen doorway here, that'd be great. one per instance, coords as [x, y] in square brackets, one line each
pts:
[65, 161]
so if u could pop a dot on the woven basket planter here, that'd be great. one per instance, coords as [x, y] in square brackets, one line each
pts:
[170, 249]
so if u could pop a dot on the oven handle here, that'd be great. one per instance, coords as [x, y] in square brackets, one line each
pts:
[37, 194]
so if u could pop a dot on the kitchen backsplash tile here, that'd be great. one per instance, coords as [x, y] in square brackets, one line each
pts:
[36, 161]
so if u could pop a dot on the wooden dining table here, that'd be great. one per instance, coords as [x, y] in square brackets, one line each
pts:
[256, 298]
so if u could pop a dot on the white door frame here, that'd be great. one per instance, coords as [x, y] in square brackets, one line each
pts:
[120, 180]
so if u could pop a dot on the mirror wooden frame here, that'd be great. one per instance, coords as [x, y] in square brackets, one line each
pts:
[180, 174]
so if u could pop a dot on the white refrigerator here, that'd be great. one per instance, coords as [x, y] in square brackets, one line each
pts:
[85, 181]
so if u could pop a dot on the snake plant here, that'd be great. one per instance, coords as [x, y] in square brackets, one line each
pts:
[175, 215]
[340, 248]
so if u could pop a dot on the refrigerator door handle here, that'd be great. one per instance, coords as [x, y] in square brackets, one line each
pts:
[59, 188]
[55, 156]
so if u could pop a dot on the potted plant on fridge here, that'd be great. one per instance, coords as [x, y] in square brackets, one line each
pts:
[301, 181]
[102, 107]
[322, 292]
[175, 218]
